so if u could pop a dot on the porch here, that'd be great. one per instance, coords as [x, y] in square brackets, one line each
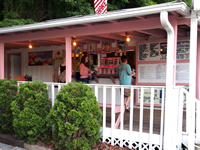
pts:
[142, 127]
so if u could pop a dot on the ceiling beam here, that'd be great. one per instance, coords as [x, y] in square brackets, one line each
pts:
[88, 41]
[113, 36]
[136, 35]
[154, 32]
[91, 37]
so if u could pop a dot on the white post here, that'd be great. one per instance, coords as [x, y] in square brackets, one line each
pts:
[1, 60]
[193, 54]
[170, 124]
[68, 57]
[192, 79]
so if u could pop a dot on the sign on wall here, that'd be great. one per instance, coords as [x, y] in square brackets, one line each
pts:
[91, 48]
[156, 51]
[156, 73]
[157, 96]
[40, 58]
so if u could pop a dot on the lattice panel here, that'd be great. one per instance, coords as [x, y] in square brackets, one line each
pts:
[135, 144]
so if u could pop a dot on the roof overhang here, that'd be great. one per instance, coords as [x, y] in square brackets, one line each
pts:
[179, 7]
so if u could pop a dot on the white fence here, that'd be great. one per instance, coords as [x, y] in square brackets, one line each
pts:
[189, 110]
[110, 97]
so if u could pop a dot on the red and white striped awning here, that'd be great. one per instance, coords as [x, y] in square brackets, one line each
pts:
[100, 6]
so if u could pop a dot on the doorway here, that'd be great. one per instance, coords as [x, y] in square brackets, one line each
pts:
[14, 65]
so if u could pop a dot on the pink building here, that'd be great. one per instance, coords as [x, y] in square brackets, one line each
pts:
[165, 47]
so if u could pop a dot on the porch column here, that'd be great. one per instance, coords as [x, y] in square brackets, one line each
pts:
[1, 60]
[190, 107]
[68, 55]
[193, 54]
[171, 103]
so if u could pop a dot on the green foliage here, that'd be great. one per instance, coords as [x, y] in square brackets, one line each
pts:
[11, 22]
[30, 110]
[7, 96]
[76, 117]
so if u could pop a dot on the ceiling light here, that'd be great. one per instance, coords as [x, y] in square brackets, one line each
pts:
[74, 43]
[128, 39]
[30, 46]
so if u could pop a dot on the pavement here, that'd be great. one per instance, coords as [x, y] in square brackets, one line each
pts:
[9, 147]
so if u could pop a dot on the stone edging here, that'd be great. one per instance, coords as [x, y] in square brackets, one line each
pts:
[10, 140]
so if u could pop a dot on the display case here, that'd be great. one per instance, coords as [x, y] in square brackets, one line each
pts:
[109, 65]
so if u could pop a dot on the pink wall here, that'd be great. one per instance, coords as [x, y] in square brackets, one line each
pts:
[198, 70]
[1, 60]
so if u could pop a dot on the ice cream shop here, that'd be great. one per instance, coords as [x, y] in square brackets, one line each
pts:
[162, 45]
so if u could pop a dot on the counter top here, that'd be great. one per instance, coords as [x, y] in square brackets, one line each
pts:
[111, 76]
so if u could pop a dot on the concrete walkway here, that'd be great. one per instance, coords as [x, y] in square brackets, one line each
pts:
[9, 147]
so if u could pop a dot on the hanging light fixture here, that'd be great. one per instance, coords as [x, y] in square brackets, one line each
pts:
[74, 43]
[30, 46]
[128, 39]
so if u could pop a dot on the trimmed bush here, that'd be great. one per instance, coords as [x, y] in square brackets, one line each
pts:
[76, 117]
[30, 110]
[8, 91]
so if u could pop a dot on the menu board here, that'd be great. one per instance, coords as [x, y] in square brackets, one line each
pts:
[182, 73]
[156, 73]
[158, 50]
[152, 73]
[183, 49]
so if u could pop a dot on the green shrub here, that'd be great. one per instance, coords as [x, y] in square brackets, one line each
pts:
[30, 110]
[8, 91]
[76, 117]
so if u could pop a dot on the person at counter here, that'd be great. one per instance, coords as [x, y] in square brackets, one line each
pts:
[84, 71]
[62, 72]
[124, 72]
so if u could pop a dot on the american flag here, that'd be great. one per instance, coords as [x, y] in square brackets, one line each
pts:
[100, 6]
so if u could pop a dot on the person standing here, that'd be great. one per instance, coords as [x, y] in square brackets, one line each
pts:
[62, 72]
[124, 72]
[84, 71]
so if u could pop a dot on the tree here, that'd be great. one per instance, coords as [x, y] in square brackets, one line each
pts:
[17, 12]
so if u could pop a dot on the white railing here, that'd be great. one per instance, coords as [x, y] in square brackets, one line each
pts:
[188, 120]
[109, 96]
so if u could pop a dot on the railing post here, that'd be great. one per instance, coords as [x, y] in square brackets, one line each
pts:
[141, 117]
[113, 115]
[190, 120]
[122, 116]
[52, 95]
[180, 117]
[104, 112]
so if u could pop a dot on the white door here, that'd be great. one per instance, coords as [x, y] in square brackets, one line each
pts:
[15, 66]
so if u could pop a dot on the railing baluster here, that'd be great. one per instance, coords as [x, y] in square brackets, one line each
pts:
[162, 118]
[113, 115]
[151, 118]
[104, 112]
[59, 87]
[18, 87]
[180, 118]
[122, 117]
[131, 119]
[141, 118]
[52, 94]
[96, 91]
[190, 101]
